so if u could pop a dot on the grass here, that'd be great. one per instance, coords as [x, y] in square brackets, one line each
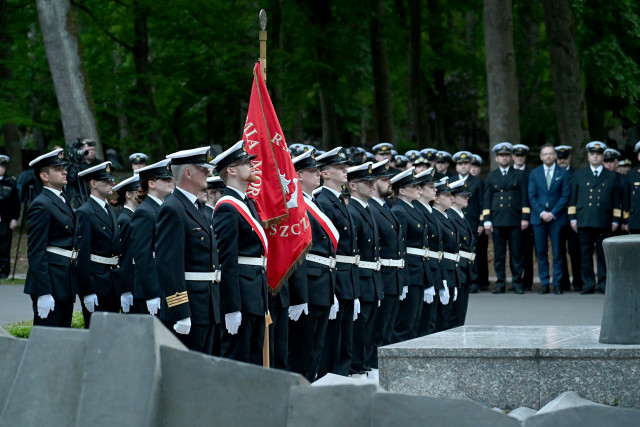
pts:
[12, 282]
[23, 329]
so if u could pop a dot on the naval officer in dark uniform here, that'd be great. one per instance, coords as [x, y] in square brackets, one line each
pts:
[519, 156]
[186, 256]
[215, 189]
[51, 279]
[98, 238]
[505, 214]
[594, 213]
[243, 288]
[9, 213]
[631, 214]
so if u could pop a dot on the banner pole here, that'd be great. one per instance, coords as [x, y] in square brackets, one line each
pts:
[262, 36]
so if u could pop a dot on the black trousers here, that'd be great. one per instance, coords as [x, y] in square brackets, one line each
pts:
[108, 304]
[428, 317]
[590, 240]
[278, 337]
[247, 344]
[307, 336]
[443, 317]
[501, 237]
[336, 356]
[480, 268]
[363, 335]
[409, 312]
[385, 321]
[459, 307]
[6, 235]
[527, 258]
[571, 243]
[59, 317]
[200, 338]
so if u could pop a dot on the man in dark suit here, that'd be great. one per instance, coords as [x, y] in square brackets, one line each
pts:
[361, 181]
[9, 213]
[594, 212]
[549, 192]
[186, 257]
[632, 198]
[316, 275]
[51, 279]
[337, 353]
[519, 157]
[242, 252]
[506, 214]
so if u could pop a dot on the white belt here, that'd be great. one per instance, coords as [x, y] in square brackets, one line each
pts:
[196, 276]
[369, 265]
[468, 255]
[259, 261]
[64, 252]
[347, 259]
[417, 251]
[434, 254]
[392, 262]
[453, 257]
[104, 260]
[134, 261]
[329, 262]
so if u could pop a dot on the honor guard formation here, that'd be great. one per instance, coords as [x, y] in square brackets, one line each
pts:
[398, 243]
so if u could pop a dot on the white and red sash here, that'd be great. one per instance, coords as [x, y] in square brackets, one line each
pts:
[325, 222]
[243, 209]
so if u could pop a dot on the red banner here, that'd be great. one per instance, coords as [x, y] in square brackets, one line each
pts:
[277, 194]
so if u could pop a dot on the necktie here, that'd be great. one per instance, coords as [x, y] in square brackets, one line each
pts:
[504, 173]
[252, 208]
[63, 199]
[548, 178]
[197, 204]
[595, 173]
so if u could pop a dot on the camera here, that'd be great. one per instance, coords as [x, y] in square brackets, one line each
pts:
[75, 151]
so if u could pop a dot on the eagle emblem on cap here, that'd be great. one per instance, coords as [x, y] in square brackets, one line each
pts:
[384, 148]
[596, 146]
[108, 168]
[138, 158]
[463, 156]
[61, 155]
[370, 168]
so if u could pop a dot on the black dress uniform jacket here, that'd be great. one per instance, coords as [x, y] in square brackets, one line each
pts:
[51, 223]
[321, 280]
[185, 243]
[125, 274]
[391, 246]
[473, 211]
[506, 198]
[143, 238]
[632, 200]
[370, 281]
[434, 242]
[97, 233]
[595, 201]
[412, 221]
[450, 244]
[347, 286]
[9, 210]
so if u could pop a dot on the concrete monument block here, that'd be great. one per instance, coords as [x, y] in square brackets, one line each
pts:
[47, 383]
[568, 399]
[121, 381]
[11, 352]
[201, 390]
[329, 406]
[621, 314]
[586, 416]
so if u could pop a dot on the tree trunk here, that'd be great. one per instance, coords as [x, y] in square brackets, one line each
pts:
[10, 132]
[570, 106]
[60, 35]
[380, 65]
[151, 124]
[417, 125]
[502, 84]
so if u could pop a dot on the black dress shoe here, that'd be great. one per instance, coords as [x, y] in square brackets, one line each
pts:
[544, 291]
[519, 291]
[498, 291]
[474, 289]
[367, 368]
[587, 292]
[557, 291]
[600, 291]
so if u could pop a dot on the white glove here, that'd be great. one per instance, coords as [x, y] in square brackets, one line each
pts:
[46, 303]
[153, 305]
[295, 311]
[233, 321]
[91, 302]
[379, 302]
[455, 294]
[429, 293]
[444, 294]
[356, 309]
[335, 308]
[126, 301]
[405, 289]
[183, 326]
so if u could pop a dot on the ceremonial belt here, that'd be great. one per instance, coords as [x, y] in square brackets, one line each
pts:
[417, 251]
[468, 255]
[433, 254]
[196, 276]
[329, 262]
[73, 254]
[104, 260]
[259, 261]
[392, 262]
[324, 222]
[343, 259]
[369, 265]
[133, 260]
[453, 257]
[243, 210]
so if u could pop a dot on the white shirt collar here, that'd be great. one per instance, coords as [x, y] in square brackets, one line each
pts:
[363, 204]
[453, 208]
[426, 205]
[54, 191]
[192, 197]
[155, 199]
[335, 193]
[306, 195]
[443, 213]
[599, 169]
[409, 204]
[552, 168]
[460, 176]
[128, 207]
[242, 195]
[523, 167]
[378, 200]
[503, 170]
[207, 204]
[100, 202]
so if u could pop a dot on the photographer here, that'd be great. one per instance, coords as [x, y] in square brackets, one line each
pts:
[82, 156]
